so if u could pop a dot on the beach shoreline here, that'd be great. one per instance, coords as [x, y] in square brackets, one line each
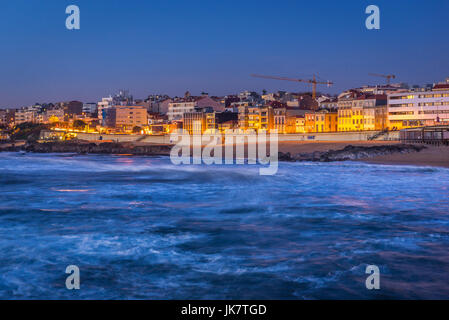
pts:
[435, 156]
[432, 156]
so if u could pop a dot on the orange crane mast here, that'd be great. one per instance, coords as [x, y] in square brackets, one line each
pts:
[312, 81]
[387, 76]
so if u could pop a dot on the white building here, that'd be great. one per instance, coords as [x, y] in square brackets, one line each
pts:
[419, 107]
[25, 115]
[176, 109]
[104, 104]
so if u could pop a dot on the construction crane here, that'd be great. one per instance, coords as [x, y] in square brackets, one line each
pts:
[313, 81]
[387, 76]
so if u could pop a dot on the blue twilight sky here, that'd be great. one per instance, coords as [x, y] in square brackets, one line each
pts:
[212, 45]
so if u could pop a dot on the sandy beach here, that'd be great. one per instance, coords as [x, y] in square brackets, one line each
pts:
[308, 147]
[431, 156]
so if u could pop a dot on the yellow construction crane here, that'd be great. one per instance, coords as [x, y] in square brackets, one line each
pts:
[387, 76]
[313, 81]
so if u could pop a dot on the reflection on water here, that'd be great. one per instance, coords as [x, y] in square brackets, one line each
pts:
[139, 227]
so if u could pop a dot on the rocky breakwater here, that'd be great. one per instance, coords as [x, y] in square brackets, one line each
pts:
[101, 148]
[351, 153]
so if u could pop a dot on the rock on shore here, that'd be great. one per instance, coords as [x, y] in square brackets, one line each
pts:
[102, 148]
[351, 153]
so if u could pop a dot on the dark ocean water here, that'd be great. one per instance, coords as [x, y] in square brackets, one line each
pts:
[139, 227]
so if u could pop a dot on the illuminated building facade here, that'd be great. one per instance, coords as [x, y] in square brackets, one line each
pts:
[125, 118]
[358, 112]
[419, 108]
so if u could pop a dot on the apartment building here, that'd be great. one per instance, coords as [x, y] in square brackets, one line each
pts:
[300, 124]
[195, 122]
[283, 123]
[266, 119]
[359, 111]
[285, 119]
[176, 109]
[319, 121]
[102, 107]
[256, 118]
[309, 121]
[375, 118]
[422, 107]
[125, 118]
[326, 121]
[248, 117]
[7, 117]
[25, 115]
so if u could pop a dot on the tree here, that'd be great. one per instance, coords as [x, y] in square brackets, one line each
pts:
[79, 124]
[137, 129]
[28, 131]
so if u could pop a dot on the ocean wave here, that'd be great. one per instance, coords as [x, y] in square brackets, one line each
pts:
[141, 227]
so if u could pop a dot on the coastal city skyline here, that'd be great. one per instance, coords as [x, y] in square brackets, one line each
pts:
[300, 89]
[212, 47]
[375, 110]
[203, 154]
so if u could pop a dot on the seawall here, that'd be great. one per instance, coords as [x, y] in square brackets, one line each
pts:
[332, 136]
